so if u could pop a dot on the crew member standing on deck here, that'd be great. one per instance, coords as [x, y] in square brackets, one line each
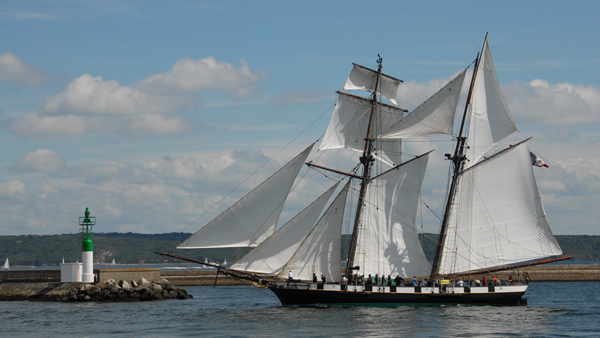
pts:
[290, 275]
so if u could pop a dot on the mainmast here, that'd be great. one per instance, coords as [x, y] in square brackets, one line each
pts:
[458, 160]
[366, 160]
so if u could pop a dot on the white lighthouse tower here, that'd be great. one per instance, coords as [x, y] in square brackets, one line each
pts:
[87, 254]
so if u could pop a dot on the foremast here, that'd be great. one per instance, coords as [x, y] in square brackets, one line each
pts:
[458, 159]
[366, 160]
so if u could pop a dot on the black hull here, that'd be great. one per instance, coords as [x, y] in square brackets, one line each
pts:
[294, 297]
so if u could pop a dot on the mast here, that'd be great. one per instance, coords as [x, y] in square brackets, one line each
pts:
[367, 161]
[459, 160]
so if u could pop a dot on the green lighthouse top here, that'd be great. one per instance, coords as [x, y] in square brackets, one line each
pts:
[87, 220]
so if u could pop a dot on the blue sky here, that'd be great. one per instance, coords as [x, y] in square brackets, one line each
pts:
[148, 112]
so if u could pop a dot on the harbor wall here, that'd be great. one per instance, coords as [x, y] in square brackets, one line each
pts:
[152, 275]
[195, 278]
[33, 276]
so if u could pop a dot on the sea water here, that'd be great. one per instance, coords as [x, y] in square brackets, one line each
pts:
[555, 309]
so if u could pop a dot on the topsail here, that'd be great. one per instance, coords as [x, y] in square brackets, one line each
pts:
[490, 119]
[363, 78]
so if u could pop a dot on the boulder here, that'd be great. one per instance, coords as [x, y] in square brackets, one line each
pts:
[124, 285]
[93, 290]
[105, 294]
[163, 283]
[113, 288]
[121, 295]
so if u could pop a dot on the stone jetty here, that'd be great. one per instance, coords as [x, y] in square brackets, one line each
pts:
[123, 291]
[108, 291]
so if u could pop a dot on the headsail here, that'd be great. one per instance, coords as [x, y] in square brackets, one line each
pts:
[490, 119]
[498, 219]
[435, 116]
[254, 217]
[363, 78]
[388, 238]
[320, 251]
[272, 254]
[349, 123]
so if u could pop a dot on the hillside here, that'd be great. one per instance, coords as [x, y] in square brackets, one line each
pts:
[132, 248]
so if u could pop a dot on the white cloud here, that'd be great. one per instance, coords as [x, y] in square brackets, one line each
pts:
[13, 189]
[157, 196]
[542, 103]
[41, 160]
[13, 69]
[90, 104]
[45, 188]
[189, 75]
[33, 125]
[93, 95]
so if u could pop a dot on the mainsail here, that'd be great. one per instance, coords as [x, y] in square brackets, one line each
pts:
[388, 237]
[499, 219]
[254, 217]
[272, 254]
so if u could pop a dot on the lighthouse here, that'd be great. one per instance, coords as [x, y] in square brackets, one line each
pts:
[87, 247]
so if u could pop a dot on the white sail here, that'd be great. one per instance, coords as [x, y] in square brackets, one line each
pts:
[435, 116]
[490, 120]
[272, 254]
[499, 219]
[113, 262]
[349, 123]
[387, 237]
[320, 251]
[254, 217]
[6, 265]
[362, 78]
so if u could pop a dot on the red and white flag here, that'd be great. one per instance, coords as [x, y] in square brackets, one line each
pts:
[536, 161]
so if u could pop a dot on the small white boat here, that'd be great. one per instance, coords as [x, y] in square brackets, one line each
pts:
[6, 265]
[113, 262]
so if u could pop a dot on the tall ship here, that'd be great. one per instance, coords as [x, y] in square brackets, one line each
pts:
[493, 218]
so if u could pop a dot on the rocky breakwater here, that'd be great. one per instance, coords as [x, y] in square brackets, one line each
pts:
[123, 291]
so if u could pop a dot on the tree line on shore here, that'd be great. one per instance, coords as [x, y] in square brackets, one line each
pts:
[133, 248]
